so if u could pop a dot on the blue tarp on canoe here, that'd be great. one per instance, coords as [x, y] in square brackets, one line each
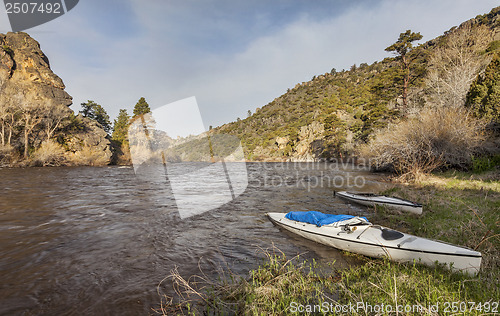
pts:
[317, 218]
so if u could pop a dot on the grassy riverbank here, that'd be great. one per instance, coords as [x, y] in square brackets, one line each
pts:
[460, 208]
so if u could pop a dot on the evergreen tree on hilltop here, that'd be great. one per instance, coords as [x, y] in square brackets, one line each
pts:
[103, 118]
[88, 109]
[97, 113]
[401, 49]
[120, 127]
[141, 107]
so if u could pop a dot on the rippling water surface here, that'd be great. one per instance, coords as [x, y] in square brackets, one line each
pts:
[98, 241]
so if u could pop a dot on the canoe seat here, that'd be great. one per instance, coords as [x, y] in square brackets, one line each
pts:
[389, 234]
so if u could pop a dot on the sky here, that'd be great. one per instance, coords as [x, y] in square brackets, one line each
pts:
[232, 55]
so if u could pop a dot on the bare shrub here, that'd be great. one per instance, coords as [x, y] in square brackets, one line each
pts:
[8, 114]
[54, 115]
[455, 63]
[50, 153]
[88, 156]
[436, 138]
[7, 154]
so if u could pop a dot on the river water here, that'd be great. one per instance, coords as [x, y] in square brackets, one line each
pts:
[98, 241]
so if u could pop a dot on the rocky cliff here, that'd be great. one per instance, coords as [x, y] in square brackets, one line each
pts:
[25, 73]
[34, 107]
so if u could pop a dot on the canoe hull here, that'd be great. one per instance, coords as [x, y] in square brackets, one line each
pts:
[368, 240]
[389, 202]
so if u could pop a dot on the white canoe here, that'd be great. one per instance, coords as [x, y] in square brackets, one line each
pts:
[370, 199]
[377, 241]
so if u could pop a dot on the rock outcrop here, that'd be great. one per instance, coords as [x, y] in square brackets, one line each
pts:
[89, 146]
[25, 73]
[28, 87]
[282, 142]
[307, 147]
[309, 144]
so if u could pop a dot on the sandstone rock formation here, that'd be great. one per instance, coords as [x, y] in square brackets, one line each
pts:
[91, 140]
[309, 145]
[34, 107]
[282, 142]
[25, 72]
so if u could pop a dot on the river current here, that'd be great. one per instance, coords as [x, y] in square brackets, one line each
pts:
[98, 241]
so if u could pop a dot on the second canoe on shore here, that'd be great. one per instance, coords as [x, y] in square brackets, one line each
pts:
[370, 199]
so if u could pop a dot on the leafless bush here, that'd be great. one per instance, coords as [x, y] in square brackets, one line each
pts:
[455, 63]
[435, 138]
[7, 154]
[88, 156]
[50, 153]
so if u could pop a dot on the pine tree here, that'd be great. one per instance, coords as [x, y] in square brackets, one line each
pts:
[141, 107]
[402, 48]
[120, 127]
[88, 109]
[103, 118]
[97, 113]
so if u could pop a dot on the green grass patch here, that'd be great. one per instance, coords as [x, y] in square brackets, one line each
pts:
[416, 289]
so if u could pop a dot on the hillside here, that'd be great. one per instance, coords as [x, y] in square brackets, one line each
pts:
[336, 112]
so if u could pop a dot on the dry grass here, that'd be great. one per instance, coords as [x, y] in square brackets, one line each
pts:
[433, 139]
[7, 154]
[269, 290]
[88, 156]
[482, 182]
[50, 153]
